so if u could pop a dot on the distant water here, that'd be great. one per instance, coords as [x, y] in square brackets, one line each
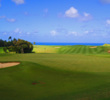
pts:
[91, 44]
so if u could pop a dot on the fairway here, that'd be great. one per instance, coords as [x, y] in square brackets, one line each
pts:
[55, 77]
[76, 49]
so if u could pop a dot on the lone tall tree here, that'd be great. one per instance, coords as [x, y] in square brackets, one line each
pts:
[10, 38]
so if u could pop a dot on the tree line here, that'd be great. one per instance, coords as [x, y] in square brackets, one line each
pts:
[16, 45]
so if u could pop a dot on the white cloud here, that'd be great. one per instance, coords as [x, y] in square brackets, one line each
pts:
[53, 32]
[18, 1]
[2, 17]
[86, 32]
[11, 20]
[72, 13]
[86, 14]
[85, 17]
[105, 1]
[108, 22]
[17, 30]
[8, 19]
[73, 33]
[28, 33]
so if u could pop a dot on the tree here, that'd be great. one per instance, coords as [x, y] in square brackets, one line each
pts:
[10, 38]
[5, 49]
[21, 46]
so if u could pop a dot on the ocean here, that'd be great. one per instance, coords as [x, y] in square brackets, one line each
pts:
[91, 44]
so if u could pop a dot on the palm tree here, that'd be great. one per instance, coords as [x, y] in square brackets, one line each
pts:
[10, 38]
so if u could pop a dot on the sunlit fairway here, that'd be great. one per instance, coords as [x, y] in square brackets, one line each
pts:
[77, 49]
[45, 49]
[55, 77]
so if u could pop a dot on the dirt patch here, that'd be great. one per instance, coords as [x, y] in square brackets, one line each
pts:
[9, 64]
[94, 47]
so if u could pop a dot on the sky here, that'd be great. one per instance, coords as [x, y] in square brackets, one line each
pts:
[61, 21]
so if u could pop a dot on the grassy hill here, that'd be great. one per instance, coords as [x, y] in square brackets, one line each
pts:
[57, 77]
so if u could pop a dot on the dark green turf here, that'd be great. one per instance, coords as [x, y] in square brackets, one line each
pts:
[58, 77]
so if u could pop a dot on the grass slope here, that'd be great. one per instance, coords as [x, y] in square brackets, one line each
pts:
[59, 77]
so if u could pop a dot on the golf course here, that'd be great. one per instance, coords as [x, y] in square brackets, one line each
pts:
[57, 73]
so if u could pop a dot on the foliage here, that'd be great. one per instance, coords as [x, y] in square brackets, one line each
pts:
[18, 46]
[5, 49]
[21, 46]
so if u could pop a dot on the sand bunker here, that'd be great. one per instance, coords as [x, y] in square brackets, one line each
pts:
[108, 51]
[9, 64]
[94, 47]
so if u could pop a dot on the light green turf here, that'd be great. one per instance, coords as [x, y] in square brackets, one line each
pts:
[106, 45]
[45, 49]
[59, 77]
[77, 49]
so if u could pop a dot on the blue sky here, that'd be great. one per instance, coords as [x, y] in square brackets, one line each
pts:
[81, 21]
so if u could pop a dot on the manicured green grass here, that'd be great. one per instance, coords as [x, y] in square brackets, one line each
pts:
[45, 49]
[80, 49]
[58, 77]
[77, 49]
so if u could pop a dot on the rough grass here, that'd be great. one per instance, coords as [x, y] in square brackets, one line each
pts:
[58, 77]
